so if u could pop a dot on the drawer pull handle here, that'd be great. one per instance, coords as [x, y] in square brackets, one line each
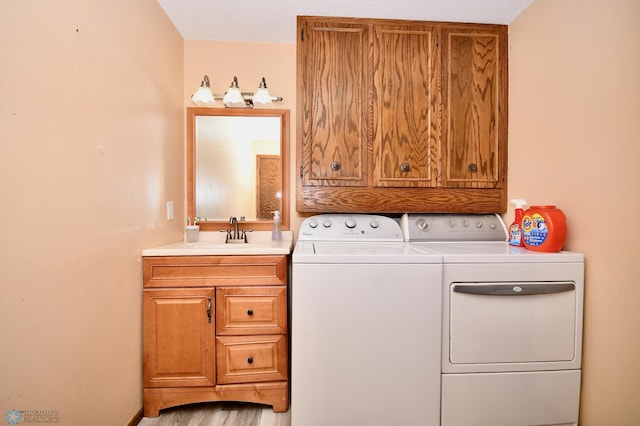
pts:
[250, 312]
[250, 360]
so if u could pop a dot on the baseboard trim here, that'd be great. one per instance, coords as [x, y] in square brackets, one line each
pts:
[137, 418]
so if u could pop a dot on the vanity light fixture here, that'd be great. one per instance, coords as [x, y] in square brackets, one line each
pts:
[203, 96]
[234, 98]
[262, 98]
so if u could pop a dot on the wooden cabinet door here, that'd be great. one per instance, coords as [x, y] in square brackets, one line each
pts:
[178, 337]
[333, 92]
[475, 101]
[406, 105]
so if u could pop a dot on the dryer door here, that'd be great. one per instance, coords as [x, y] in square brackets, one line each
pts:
[512, 322]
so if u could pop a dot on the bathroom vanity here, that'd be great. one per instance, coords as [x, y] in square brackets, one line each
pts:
[215, 323]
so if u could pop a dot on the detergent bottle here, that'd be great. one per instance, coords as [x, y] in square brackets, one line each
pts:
[544, 228]
[515, 230]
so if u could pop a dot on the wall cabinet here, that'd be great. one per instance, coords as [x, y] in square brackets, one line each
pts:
[215, 329]
[401, 116]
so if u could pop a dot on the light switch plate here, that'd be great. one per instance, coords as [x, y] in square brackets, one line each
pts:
[169, 210]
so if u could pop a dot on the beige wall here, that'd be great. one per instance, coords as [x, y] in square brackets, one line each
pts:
[91, 148]
[574, 141]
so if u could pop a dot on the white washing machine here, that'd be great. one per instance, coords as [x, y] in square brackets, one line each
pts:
[366, 323]
[511, 324]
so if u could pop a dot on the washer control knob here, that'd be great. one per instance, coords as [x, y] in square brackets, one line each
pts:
[479, 224]
[452, 223]
[423, 225]
[313, 224]
[465, 223]
[492, 226]
[350, 223]
[374, 224]
[326, 223]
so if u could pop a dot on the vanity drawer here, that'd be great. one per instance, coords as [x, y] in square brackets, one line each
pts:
[251, 310]
[209, 271]
[244, 359]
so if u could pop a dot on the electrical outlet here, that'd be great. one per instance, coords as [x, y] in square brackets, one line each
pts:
[169, 210]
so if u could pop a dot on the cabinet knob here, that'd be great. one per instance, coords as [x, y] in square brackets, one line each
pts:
[250, 312]
[250, 360]
[473, 167]
[335, 166]
[405, 167]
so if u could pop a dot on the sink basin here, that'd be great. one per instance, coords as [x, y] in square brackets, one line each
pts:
[257, 245]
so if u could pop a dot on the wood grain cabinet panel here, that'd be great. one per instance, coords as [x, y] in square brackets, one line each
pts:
[178, 338]
[475, 62]
[215, 329]
[251, 358]
[201, 271]
[406, 126]
[401, 116]
[335, 119]
[251, 310]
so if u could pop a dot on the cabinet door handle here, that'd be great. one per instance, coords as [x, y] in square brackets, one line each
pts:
[250, 312]
[473, 168]
[405, 167]
[209, 310]
[335, 166]
[250, 360]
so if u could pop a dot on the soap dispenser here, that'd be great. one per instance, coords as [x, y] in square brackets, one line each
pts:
[276, 234]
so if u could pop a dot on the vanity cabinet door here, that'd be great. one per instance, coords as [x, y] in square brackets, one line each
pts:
[178, 337]
[475, 102]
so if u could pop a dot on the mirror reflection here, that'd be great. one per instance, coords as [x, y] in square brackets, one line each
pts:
[237, 166]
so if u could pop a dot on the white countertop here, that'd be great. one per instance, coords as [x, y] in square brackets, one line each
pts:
[213, 243]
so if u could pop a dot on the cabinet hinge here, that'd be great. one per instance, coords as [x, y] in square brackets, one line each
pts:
[437, 40]
[301, 172]
[301, 35]
[437, 176]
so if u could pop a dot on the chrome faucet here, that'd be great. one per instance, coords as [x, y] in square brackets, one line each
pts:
[234, 222]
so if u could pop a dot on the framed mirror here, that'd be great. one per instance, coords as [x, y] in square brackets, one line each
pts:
[237, 165]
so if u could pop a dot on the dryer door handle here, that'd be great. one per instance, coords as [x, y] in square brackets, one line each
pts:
[513, 289]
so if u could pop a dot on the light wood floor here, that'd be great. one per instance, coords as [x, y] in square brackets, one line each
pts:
[219, 414]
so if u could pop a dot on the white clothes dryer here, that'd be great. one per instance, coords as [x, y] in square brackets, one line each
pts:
[511, 324]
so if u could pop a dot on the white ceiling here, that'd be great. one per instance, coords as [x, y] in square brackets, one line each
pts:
[274, 21]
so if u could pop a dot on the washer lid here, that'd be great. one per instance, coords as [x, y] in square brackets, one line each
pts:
[362, 252]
